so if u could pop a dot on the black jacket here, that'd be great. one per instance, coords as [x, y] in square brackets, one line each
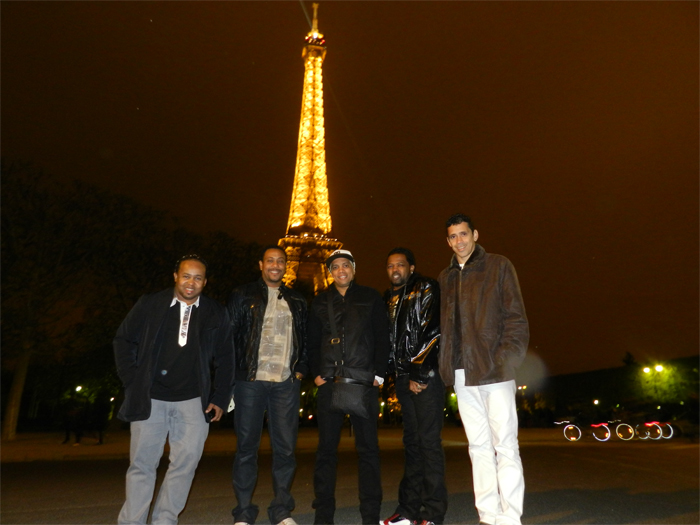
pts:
[137, 346]
[415, 332]
[246, 308]
[363, 329]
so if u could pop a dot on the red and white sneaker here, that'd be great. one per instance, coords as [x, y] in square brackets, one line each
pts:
[396, 519]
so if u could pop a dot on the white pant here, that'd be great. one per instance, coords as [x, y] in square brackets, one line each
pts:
[491, 423]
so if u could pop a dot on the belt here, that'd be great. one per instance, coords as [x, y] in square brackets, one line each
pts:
[338, 379]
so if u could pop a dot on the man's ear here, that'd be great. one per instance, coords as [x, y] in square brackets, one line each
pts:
[476, 235]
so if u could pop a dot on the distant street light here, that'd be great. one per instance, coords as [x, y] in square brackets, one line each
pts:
[595, 401]
[646, 369]
[658, 368]
[78, 388]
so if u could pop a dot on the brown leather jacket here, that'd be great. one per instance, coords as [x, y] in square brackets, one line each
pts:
[490, 337]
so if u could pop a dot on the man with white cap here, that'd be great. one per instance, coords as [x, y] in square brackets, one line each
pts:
[348, 343]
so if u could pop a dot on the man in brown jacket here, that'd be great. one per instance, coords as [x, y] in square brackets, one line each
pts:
[484, 338]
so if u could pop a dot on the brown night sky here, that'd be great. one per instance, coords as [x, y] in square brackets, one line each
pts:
[568, 130]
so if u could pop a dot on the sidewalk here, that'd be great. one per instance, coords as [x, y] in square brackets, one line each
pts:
[48, 447]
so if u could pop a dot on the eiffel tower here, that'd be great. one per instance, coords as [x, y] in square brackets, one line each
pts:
[308, 242]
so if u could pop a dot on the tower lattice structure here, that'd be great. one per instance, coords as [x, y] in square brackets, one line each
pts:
[307, 242]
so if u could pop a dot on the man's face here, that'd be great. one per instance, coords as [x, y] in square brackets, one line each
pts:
[190, 280]
[398, 270]
[342, 272]
[462, 240]
[273, 266]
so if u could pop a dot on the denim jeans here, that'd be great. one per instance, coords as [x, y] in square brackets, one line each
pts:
[330, 426]
[281, 401]
[491, 423]
[183, 424]
[423, 482]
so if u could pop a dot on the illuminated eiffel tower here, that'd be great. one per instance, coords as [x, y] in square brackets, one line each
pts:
[307, 242]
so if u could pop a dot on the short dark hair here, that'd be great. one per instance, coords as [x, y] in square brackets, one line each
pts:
[261, 255]
[406, 252]
[190, 257]
[459, 218]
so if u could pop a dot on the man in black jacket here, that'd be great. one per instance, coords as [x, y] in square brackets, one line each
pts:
[269, 330]
[356, 351]
[414, 312]
[164, 350]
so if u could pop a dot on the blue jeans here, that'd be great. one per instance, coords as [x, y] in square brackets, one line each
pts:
[330, 426]
[423, 482]
[281, 401]
[183, 424]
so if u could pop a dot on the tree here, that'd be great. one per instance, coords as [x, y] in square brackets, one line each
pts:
[75, 260]
[42, 261]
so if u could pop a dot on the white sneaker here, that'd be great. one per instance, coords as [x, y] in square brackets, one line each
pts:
[241, 523]
[396, 519]
[287, 521]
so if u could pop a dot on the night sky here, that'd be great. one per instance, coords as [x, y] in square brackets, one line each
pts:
[567, 130]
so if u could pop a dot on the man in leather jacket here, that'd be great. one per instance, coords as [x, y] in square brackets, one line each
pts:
[413, 303]
[484, 337]
[269, 332]
[358, 352]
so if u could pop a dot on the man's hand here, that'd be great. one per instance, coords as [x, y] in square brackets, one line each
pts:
[319, 381]
[376, 383]
[416, 388]
[217, 412]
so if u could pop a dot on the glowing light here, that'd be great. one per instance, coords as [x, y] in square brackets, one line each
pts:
[524, 387]
[453, 394]
[595, 401]
[78, 388]
[646, 369]
[311, 417]
[301, 410]
[658, 368]
[111, 399]
[382, 403]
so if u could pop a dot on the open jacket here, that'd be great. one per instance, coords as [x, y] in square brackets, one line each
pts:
[482, 319]
[363, 328]
[137, 347]
[246, 308]
[415, 332]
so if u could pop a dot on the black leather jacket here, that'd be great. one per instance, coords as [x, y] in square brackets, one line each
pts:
[415, 332]
[246, 308]
[363, 329]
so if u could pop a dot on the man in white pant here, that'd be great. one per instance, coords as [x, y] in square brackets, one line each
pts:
[484, 338]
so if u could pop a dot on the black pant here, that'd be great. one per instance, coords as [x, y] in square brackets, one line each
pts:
[423, 482]
[281, 401]
[330, 426]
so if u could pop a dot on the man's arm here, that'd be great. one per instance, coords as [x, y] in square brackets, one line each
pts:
[224, 365]
[302, 365]
[516, 331]
[382, 344]
[313, 343]
[127, 340]
[428, 332]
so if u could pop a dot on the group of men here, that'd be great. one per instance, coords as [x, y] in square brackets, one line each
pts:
[468, 330]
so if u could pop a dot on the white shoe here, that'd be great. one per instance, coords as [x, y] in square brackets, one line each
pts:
[287, 521]
[241, 523]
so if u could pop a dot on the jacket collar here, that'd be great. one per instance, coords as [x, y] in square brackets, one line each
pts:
[264, 287]
[476, 257]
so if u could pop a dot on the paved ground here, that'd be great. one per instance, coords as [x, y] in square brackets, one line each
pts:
[585, 482]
